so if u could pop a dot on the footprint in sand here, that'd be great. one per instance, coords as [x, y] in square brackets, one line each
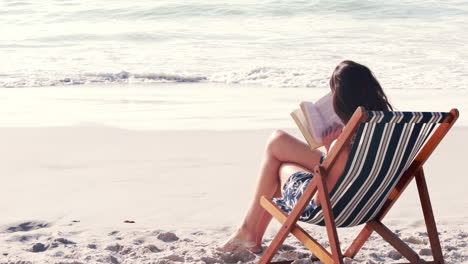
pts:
[27, 226]
[114, 247]
[39, 247]
[113, 233]
[425, 252]
[413, 240]
[168, 237]
[175, 258]
[211, 260]
[292, 255]
[153, 248]
[242, 255]
[92, 246]
[64, 241]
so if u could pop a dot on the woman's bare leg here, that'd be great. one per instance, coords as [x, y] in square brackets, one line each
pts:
[285, 170]
[281, 148]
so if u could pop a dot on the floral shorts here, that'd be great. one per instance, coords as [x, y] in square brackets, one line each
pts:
[292, 191]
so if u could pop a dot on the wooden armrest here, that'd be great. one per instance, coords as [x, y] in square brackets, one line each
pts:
[359, 116]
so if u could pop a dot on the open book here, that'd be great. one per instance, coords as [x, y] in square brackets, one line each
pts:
[313, 119]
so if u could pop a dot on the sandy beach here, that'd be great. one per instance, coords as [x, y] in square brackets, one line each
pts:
[67, 192]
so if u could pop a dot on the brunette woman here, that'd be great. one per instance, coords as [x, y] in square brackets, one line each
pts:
[287, 165]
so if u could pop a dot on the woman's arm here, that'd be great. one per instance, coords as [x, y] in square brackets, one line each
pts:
[330, 135]
[329, 138]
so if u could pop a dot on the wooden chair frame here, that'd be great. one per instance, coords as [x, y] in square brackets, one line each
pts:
[415, 170]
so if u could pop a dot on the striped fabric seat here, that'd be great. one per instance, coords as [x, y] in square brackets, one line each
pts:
[384, 147]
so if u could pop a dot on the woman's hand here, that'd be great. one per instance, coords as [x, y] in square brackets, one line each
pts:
[330, 135]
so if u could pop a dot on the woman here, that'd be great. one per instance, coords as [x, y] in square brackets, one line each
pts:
[288, 162]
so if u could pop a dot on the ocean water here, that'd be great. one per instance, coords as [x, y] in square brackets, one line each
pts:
[89, 52]
[294, 43]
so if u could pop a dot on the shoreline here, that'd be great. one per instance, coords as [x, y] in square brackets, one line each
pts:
[188, 106]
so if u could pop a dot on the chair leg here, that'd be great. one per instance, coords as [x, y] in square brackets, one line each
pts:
[317, 249]
[290, 222]
[359, 241]
[328, 216]
[429, 217]
[273, 248]
[393, 240]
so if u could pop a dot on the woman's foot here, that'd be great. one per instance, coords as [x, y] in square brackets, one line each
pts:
[237, 244]
[241, 239]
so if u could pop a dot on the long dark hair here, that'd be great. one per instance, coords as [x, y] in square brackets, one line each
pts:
[354, 85]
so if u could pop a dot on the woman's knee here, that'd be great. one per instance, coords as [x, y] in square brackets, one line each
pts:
[275, 139]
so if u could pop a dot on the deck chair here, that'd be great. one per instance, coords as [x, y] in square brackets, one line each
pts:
[388, 152]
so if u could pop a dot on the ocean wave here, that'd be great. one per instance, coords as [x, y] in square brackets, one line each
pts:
[273, 77]
[262, 76]
[93, 78]
[265, 76]
[123, 75]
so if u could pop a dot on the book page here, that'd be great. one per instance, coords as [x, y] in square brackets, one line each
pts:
[314, 120]
[301, 122]
[329, 118]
